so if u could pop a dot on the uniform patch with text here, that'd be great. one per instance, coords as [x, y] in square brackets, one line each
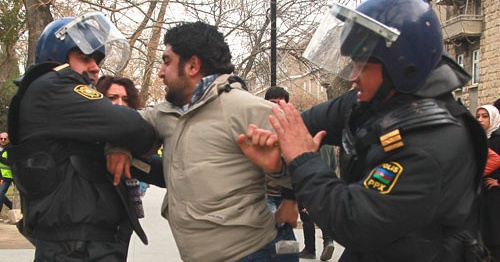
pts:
[384, 177]
[88, 92]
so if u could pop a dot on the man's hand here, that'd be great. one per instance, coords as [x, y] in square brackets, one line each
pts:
[261, 147]
[287, 212]
[118, 164]
[293, 136]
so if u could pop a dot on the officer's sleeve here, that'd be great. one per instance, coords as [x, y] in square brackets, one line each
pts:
[83, 114]
[336, 111]
[154, 172]
[372, 212]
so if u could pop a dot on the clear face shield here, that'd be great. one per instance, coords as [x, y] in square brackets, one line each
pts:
[93, 32]
[345, 40]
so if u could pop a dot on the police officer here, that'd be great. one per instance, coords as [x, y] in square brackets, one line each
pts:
[413, 156]
[58, 125]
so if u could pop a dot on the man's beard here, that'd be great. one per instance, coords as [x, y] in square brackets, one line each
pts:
[170, 97]
[175, 95]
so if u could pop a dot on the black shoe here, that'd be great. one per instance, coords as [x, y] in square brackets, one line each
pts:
[327, 252]
[306, 254]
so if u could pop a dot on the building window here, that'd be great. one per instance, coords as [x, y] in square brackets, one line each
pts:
[477, 6]
[475, 66]
[462, 9]
[460, 60]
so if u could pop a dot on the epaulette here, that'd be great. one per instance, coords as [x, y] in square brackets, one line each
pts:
[61, 67]
[64, 70]
[420, 113]
[389, 130]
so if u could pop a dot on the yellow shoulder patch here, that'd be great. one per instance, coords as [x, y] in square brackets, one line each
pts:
[383, 177]
[391, 140]
[61, 67]
[88, 92]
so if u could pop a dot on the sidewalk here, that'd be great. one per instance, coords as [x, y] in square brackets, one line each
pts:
[13, 245]
[10, 238]
[161, 242]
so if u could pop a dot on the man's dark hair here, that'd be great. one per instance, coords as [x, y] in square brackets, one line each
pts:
[277, 92]
[204, 41]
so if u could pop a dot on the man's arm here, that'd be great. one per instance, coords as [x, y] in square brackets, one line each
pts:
[152, 174]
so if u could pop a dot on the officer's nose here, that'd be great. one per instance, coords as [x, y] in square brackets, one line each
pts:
[354, 74]
[94, 66]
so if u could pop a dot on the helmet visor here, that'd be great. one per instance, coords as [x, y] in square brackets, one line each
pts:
[93, 32]
[345, 41]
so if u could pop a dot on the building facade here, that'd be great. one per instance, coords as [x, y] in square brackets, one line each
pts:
[304, 86]
[471, 30]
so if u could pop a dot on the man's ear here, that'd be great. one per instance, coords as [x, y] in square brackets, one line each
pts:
[194, 65]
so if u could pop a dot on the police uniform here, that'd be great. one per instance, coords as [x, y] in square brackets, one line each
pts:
[406, 193]
[58, 125]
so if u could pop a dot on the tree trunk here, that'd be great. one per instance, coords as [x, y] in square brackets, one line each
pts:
[151, 52]
[8, 63]
[38, 16]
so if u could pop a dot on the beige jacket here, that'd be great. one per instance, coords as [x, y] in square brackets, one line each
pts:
[215, 201]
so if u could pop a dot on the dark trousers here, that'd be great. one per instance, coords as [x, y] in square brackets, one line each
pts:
[268, 252]
[79, 251]
[310, 231]
[83, 251]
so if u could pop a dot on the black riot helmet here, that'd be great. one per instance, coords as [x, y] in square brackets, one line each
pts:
[404, 35]
[92, 33]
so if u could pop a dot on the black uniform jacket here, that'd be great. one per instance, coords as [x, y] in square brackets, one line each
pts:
[400, 203]
[72, 196]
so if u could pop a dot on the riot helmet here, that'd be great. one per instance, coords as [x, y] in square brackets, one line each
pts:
[92, 33]
[404, 35]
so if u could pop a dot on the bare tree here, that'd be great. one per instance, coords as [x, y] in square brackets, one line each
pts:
[151, 55]
[11, 23]
[245, 23]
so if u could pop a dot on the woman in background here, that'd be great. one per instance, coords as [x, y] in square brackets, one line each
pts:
[120, 90]
[489, 118]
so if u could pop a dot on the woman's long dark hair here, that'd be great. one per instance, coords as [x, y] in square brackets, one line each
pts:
[106, 81]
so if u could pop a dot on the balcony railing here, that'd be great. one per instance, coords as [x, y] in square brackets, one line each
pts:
[462, 26]
[449, 2]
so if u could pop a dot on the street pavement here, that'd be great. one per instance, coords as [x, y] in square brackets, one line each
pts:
[13, 246]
